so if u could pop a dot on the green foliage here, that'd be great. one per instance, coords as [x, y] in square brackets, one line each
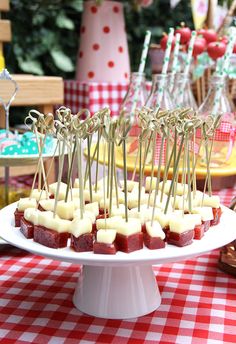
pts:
[46, 33]
[45, 36]
[157, 18]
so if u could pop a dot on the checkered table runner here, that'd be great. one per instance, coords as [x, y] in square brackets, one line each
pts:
[198, 303]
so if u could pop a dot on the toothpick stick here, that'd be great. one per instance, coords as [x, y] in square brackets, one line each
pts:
[104, 182]
[109, 168]
[61, 163]
[115, 180]
[112, 142]
[86, 167]
[189, 178]
[174, 174]
[49, 170]
[158, 177]
[184, 173]
[97, 162]
[70, 171]
[135, 164]
[140, 174]
[152, 165]
[80, 175]
[125, 178]
[89, 169]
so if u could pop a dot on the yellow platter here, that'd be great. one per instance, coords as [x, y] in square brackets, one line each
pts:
[224, 171]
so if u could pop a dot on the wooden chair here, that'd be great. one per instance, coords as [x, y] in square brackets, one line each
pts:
[41, 92]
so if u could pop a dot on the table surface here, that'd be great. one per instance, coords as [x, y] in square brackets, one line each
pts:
[198, 303]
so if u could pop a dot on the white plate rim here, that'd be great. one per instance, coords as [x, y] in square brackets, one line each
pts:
[216, 237]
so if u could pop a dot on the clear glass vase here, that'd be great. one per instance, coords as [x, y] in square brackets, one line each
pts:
[137, 81]
[223, 140]
[182, 92]
[137, 84]
[159, 95]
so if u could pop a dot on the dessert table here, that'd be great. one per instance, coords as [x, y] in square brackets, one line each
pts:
[198, 303]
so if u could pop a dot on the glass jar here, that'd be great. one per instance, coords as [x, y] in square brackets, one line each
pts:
[137, 82]
[182, 92]
[159, 95]
[224, 135]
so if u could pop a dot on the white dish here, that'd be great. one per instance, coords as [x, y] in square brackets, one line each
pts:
[216, 236]
[26, 159]
[128, 275]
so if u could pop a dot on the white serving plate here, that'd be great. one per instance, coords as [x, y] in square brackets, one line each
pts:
[126, 274]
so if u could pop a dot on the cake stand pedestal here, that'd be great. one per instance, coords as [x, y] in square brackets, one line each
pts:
[120, 286]
[117, 292]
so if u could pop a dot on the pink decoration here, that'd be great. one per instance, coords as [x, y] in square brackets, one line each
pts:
[103, 54]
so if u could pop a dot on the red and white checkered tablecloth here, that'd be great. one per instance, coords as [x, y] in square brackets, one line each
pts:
[198, 303]
[94, 95]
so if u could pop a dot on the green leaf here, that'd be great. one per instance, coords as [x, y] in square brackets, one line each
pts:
[62, 61]
[64, 22]
[32, 66]
[77, 5]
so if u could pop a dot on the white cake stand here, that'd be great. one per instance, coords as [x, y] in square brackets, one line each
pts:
[120, 286]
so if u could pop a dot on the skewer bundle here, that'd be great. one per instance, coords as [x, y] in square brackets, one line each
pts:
[128, 213]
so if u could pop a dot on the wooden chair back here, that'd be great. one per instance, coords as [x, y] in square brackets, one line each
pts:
[5, 25]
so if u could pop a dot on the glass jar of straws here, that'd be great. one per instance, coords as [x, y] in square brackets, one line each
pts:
[137, 81]
[159, 95]
[182, 92]
[219, 103]
[136, 95]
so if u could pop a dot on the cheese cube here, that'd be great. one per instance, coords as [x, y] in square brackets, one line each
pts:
[179, 187]
[159, 203]
[150, 186]
[128, 228]
[130, 185]
[181, 224]
[205, 212]
[25, 203]
[53, 187]
[93, 207]
[65, 210]
[31, 215]
[164, 219]
[115, 211]
[195, 218]
[109, 223]
[47, 220]
[133, 200]
[211, 201]
[39, 194]
[88, 214]
[47, 204]
[155, 230]
[80, 226]
[106, 236]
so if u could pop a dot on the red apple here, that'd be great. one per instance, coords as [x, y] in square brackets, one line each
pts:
[223, 39]
[210, 35]
[199, 46]
[163, 42]
[234, 49]
[216, 49]
[185, 33]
